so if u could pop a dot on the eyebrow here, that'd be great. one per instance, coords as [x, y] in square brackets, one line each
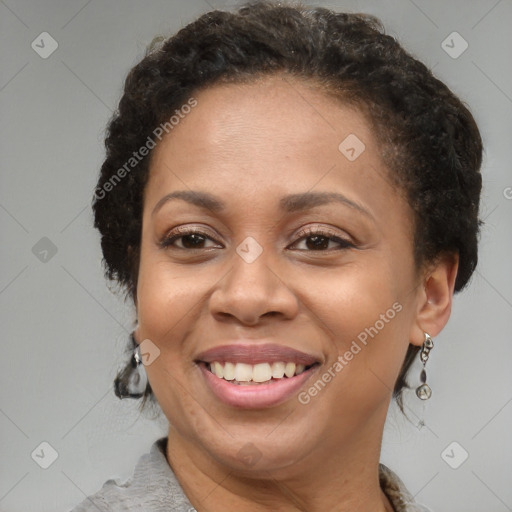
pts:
[290, 203]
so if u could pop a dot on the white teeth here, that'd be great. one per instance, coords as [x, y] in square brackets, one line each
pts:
[229, 371]
[218, 369]
[261, 372]
[278, 370]
[289, 369]
[243, 372]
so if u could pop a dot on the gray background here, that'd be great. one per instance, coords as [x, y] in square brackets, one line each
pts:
[64, 333]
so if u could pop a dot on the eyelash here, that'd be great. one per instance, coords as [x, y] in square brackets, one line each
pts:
[304, 234]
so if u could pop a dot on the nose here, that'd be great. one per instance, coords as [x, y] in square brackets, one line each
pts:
[250, 291]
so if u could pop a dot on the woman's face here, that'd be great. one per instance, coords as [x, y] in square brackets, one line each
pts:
[302, 253]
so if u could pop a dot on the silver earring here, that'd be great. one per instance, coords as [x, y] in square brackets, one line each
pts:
[132, 380]
[136, 357]
[423, 391]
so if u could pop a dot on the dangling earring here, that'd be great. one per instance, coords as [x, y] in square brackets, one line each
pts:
[423, 391]
[131, 382]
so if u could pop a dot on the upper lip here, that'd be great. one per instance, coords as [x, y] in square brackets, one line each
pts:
[255, 353]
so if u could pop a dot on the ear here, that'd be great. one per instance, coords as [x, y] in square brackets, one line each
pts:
[434, 303]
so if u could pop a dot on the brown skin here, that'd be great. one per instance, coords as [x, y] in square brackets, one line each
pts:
[249, 145]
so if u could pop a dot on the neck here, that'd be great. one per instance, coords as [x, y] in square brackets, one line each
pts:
[341, 480]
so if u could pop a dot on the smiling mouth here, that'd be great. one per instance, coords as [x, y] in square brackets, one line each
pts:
[243, 374]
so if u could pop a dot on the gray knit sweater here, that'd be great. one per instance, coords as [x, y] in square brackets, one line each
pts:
[154, 488]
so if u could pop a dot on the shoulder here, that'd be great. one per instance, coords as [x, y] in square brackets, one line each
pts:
[152, 488]
[401, 499]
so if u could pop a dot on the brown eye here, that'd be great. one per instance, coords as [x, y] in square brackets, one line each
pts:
[319, 240]
[190, 239]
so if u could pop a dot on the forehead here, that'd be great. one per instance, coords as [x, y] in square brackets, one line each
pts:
[277, 106]
[267, 125]
[253, 143]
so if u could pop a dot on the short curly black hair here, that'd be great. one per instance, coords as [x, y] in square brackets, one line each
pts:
[428, 139]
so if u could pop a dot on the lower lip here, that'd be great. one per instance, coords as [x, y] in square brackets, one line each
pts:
[255, 396]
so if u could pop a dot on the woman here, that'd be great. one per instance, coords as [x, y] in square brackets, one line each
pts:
[291, 201]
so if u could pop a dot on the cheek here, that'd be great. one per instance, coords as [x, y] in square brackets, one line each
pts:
[169, 304]
[169, 298]
[362, 311]
[350, 298]
[162, 303]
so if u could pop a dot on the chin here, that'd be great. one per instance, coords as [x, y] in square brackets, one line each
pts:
[256, 452]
